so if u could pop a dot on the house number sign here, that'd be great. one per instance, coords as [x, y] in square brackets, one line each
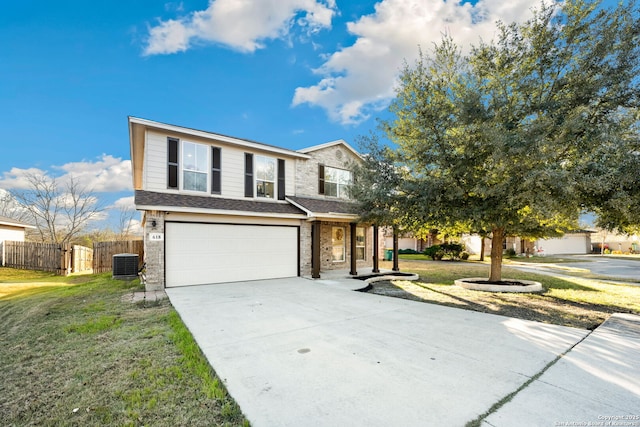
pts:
[156, 237]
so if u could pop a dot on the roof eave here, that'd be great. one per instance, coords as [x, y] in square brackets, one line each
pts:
[331, 144]
[218, 137]
[206, 211]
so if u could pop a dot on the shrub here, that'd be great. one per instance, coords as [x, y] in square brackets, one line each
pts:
[407, 251]
[464, 256]
[445, 250]
[452, 250]
[510, 253]
[435, 252]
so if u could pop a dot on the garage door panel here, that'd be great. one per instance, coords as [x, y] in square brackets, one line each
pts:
[216, 253]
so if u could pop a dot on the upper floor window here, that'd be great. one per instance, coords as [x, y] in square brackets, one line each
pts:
[265, 176]
[337, 182]
[194, 166]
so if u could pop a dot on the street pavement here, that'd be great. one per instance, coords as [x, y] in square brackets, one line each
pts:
[604, 266]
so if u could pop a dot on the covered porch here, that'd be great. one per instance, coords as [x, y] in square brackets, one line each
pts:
[333, 239]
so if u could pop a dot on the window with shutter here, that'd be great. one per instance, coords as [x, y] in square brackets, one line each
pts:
[266, 175]
[216, 179]
[172, 163]
[281, 182]
[320, 179]
[248, 175]
[194, 166]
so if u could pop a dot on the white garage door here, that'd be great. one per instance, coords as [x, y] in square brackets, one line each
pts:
[216, 253]
[568, 244]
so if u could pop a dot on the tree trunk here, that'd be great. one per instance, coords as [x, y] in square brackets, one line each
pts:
[482, 248]
[496, 254]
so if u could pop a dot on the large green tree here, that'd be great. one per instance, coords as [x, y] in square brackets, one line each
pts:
[499, 140]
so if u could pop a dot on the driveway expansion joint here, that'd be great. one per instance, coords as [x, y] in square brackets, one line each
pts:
[506, 399]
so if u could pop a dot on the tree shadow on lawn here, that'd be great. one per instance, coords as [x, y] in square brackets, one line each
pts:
[537, 307]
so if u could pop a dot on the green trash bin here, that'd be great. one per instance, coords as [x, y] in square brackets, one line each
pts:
[388, 254]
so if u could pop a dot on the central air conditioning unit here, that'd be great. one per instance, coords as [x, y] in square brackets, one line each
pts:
[125, 266]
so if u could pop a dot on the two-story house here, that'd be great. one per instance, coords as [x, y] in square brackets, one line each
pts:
[223, 209]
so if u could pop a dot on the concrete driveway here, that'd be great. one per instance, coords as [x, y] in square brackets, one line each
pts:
[297, 352]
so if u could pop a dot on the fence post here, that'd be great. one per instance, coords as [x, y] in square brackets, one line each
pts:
[65, 252]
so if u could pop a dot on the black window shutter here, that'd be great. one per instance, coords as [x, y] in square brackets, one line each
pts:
[216, 181]
[281, 183]
[320, 179]
[172, 163]
[248, 175]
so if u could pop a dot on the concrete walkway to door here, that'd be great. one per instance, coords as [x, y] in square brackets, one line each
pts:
[296, 352]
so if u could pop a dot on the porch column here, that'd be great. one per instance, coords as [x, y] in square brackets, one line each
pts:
[376, 266]
[315, 250]
[352, 232]
[395, 251]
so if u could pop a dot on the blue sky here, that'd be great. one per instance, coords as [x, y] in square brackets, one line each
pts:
[292, 73]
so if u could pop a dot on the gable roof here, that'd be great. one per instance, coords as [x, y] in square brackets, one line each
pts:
[14, 223]
[330, 144]
[133, 121]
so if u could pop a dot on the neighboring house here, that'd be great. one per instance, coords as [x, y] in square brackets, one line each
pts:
[406, 240]
[577, 243]
[615, 242]
[219, 209]
[11, 230]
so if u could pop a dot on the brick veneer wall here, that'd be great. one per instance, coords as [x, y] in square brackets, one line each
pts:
[154, 251]
[307, 170]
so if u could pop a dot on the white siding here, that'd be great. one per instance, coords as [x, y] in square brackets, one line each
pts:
[155, 169]
[14, 234]
[155, 162]
[232, 172]
[290, 177]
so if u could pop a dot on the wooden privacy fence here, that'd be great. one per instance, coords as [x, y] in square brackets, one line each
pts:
[64, 259]
[36, 256]
[103, 253]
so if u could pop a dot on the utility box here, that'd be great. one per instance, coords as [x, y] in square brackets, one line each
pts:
[125, 266]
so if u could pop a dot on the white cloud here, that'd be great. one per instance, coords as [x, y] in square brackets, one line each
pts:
[359, 79]
[106, 174]
[18, 179]
[242, 25]
[124, 203]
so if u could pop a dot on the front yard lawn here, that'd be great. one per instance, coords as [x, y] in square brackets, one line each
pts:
[74, 353]
[578, 302]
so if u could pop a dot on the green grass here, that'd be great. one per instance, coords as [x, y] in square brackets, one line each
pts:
[571, 301]
[75, 353]
[414, 257]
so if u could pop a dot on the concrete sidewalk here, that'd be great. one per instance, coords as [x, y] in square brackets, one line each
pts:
[596, 383]
[298, 352]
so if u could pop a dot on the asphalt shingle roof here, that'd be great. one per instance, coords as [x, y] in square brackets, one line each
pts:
[324, 205]
[152, 198]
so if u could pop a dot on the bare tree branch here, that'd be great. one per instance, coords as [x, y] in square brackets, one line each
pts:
[59, 211]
